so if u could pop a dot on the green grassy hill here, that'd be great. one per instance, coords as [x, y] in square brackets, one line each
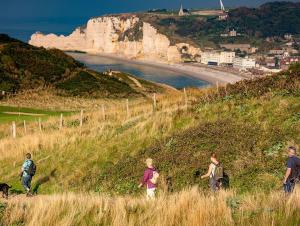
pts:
[249, 125]
[255, 24]
[19, 114]
[24, 67]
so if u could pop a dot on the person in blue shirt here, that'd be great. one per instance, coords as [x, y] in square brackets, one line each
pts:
[292, 173]
[26, 177]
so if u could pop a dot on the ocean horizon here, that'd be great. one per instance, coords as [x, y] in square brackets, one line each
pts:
[23, 29]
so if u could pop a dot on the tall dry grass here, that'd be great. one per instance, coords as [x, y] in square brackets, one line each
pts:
[187, 208]
[94, 121]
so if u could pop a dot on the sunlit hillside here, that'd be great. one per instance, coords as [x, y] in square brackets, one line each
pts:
[90, 165]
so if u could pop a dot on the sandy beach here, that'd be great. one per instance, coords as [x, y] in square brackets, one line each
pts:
[204, 73]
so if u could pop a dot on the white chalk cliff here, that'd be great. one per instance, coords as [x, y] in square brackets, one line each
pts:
[124, 36]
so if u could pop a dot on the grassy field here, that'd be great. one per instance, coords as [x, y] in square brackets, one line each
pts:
[89, 175]
[19, 114]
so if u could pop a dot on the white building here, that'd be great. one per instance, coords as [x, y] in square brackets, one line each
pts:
[243, 63]
[232, 33]
[183, 12]
[217, 58]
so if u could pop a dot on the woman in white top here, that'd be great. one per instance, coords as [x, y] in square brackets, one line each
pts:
[213, 183]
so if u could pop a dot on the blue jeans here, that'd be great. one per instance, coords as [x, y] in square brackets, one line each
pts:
[289, 186]
[26, 182]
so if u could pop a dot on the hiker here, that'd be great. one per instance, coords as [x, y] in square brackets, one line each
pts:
[215, 173]
[28, 171]
[150, 179]
[292, 174]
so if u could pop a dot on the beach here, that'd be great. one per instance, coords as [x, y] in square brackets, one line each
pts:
[210, 75]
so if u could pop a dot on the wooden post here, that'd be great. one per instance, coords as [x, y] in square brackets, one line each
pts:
[217, 87]
[40, 124]
[127, 108]
[61, 122]
[185, 99]
[103, 112]
[14, 130]
[206, 94]
[154, 102]
[81, 118]
[25, 129]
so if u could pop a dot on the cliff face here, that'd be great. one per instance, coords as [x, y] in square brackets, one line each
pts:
[128, 37]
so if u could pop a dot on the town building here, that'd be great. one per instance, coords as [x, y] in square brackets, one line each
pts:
[223, 16]
[243, 63]
[283, 51]
[217, 58]
[276, 51]
[287, 61]
[271, 62]
[232, 33]
[288, 36]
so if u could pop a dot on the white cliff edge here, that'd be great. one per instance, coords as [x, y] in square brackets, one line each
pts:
[118, 35]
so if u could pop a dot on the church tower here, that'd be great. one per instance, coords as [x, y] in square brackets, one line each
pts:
[181, 13]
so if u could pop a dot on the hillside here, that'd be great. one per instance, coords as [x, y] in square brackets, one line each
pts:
[24, 67]
[255, 24]
[82, 171]
[248, 124]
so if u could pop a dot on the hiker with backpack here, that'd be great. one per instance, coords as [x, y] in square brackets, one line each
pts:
[292, 174]
[150, 179]
[215, 173]
[28, 171]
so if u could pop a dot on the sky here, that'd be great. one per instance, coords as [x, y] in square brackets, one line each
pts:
[20, 18]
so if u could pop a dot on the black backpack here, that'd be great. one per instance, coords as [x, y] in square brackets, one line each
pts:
[32, 169]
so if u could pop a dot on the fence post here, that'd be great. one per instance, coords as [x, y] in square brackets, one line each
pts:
[127, 107]
[185, 99]
[81, 118]
[154, 102]
[40, 124]
[14, 130]
[217, 87]
[25, 129]
[61, 122]
[103, 112]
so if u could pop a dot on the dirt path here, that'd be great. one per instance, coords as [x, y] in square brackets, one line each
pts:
[136, 82]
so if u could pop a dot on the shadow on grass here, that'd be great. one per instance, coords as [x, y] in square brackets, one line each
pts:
[16, 191]
[42, 181]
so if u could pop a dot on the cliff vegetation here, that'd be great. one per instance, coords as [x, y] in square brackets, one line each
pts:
[24, 67]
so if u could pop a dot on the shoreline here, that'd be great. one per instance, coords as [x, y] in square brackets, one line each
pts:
[209, 75]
